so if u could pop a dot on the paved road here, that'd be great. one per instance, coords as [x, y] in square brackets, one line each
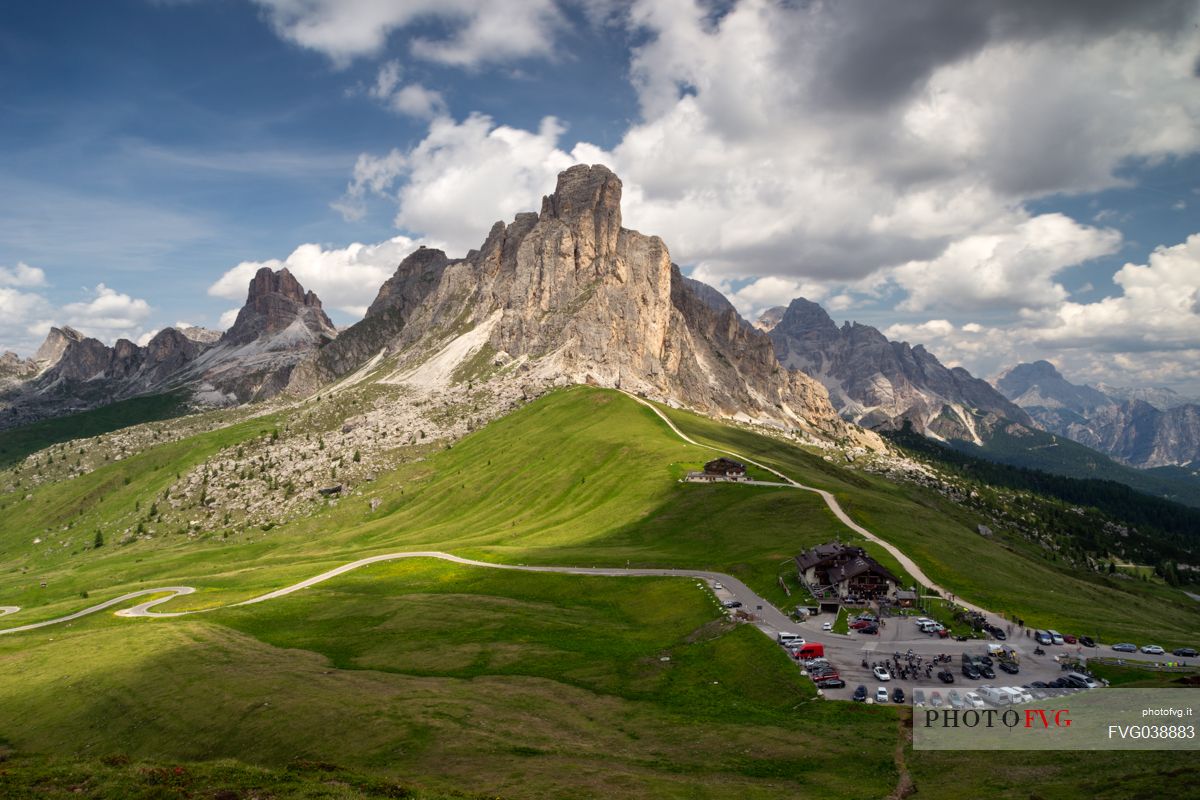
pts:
[767, 616]
[830, 501]
[9, 610]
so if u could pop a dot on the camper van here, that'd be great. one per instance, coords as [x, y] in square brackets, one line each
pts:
[786, 638]
[994, 696]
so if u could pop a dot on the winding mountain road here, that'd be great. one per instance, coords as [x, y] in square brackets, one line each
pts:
[768, 617]
[830, 501]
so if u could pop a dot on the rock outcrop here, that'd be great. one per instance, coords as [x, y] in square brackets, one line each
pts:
[882, 384]
[569, 295]
[1120, 424]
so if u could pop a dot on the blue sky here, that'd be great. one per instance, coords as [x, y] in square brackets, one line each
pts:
[973, 178]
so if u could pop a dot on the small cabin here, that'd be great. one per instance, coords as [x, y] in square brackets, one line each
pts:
[726, 467]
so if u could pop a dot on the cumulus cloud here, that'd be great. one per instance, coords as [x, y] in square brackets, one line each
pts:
[107, 315]
[1014, 269]
[412, 99]
[22, 275]
[464, 176]
[477, 33]
[345, 279]
[1156, 310]
[21, 316]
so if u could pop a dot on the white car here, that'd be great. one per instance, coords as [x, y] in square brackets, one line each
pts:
[827, 626]
[973, 700]
[1152, 650]
[717, 585]
[882, 674]
[881, 695]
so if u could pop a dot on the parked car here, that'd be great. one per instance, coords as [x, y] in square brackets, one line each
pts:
[956, 699]
[1184, 652]
[985, 660]
[882, 674]
[1087, 641]
[1009, 667]
[1081, 681]
[1055, 637]
[973, 700]
[1125, 647]
[859, 624]
[935, 699]
[830, 683]
[732, 604]
[870, 630]
[1069, 639]
[1041, 637]
[860, 694]
[897, 695]
[1037, 694]
[987, 672]
[919, 698]
[946, 676]
[969, 671]
[826, 626]
[1152, 650]
[881, 695]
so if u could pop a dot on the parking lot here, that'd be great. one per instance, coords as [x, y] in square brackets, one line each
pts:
[846, 652]
[900, 634]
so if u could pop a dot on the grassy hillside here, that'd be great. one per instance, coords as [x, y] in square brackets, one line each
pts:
[1004, 575]
[1061, 456]
[17, 443]
[439, 678]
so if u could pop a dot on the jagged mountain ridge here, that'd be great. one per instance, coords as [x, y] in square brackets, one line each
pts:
[277, 327]
[1128, 428]
[567, 295]
[881, 384]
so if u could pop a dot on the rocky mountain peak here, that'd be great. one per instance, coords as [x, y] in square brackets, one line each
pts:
[803, 315]
[56, 343]
[767, 321]
[588, 200]
[275, 303]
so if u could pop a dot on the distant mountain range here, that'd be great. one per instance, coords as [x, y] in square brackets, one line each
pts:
[882, 384]
[1141, 427]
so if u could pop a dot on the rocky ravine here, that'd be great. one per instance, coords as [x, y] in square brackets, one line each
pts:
[879, 383]
[567, 295]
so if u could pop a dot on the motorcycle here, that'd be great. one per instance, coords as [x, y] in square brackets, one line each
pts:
[1038, 651]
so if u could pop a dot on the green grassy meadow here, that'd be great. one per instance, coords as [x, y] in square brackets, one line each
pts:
[425, 679]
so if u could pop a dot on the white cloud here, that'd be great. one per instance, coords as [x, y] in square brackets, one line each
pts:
[412, 99]
[464, 176]
[22, 275]
[346, 279]
[479, 33]
[108, 315]
[21, 319]
[1013, 269]
[1157, 309]
[227, 319]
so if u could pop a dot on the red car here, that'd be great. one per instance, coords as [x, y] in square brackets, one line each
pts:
[1069, 639]
[860, 624]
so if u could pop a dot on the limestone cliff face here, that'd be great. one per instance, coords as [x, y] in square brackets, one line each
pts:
[568, 295]
[275, 303]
